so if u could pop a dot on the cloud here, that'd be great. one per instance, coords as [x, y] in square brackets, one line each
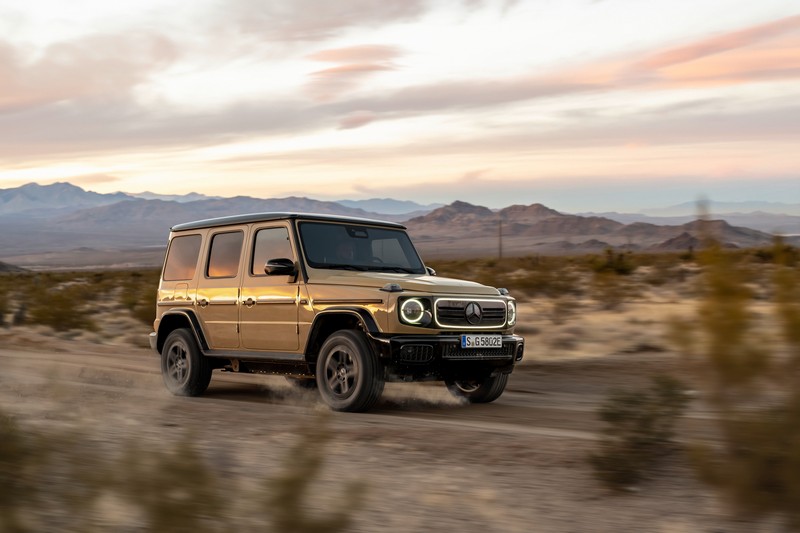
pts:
[356, 119]
[474, 176]
[312, 20]
[91, 179]
[104, 67]
[357, 64]
[79, 96]
[719, 44]
[357, 54]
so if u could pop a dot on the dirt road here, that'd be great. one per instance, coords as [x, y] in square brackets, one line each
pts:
[429, 463]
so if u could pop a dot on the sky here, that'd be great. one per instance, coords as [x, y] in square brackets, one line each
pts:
[583, 105]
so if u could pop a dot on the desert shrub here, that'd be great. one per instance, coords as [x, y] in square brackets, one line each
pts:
[62, 306]
[620, 264]
[639, 432]
[562, 309]
[524, 277]
[138, 295]
[288, 492]
[611, 291]
[18, 453]
[754, 382]
[59, 481]
[175, 488]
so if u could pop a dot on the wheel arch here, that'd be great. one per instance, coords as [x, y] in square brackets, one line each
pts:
[180, 318]
[335, 319]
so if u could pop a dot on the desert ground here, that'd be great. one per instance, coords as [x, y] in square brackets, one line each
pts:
[420, 461]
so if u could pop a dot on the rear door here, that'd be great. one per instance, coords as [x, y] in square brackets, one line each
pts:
[269, 304]
[218, 287]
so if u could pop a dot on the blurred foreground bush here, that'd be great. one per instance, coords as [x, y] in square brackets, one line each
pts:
[753, 380]
[639, 432]
[63, 482]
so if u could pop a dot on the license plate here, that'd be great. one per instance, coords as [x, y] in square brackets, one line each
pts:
[481, 341]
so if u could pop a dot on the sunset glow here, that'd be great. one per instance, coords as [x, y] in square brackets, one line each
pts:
[580, 104]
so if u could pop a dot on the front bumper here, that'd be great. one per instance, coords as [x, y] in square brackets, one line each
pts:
[153, 341]
[446, 349]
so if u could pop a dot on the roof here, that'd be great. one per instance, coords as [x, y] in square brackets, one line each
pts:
[265, 217]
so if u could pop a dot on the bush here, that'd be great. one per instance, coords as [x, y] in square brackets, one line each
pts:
[754, 382]
[57, 481]
[62, 307]
[619, 264]
[139, 295]
[639, 432]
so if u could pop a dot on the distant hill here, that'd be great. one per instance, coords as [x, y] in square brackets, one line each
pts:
[388, 206]
[61, 224]
[461, 228]
[42, 200]
[5, 267]
[690, 208]
[759, 220]
[189, 197]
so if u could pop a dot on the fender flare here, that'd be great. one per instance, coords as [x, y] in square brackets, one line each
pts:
[365, 319]
[194, 325]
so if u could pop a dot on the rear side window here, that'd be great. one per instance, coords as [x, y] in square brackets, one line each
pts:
[271, 243]
[182, 258]
[223, 259]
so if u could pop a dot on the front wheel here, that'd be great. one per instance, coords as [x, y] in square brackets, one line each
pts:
[483, 390]
[349, 374]
[185, 370]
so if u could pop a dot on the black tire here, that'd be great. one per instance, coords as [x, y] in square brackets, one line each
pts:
[483, 390]
[186, 371]
[349, 374]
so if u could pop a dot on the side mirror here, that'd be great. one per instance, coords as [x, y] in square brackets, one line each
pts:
[431, 272]
[280, 267]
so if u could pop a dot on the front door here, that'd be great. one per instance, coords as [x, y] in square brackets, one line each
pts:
[269, 304]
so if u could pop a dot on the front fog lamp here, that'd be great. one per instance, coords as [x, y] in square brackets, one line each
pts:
[412, 311]
[511, 315]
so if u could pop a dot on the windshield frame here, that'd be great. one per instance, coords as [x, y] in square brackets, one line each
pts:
[361, 237]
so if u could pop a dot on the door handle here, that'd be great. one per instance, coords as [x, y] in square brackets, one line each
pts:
[202, 302]
[249, 302]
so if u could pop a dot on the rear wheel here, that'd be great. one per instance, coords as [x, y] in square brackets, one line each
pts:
[349, 373]
[483, 390]
[186, 371]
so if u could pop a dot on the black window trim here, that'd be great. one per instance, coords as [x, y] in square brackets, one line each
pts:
[254, 239]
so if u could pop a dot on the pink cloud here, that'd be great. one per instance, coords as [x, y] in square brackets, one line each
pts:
[357, 119]
[357, 64]
[721, 43]
[357, 54]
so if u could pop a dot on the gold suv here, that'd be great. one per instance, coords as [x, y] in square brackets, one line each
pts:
[341, 304]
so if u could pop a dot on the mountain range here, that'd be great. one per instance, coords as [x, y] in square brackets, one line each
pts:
[62, 224]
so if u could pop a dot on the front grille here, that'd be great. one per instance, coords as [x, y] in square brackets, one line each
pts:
[416, 353]
[453, 313]
[454, 351]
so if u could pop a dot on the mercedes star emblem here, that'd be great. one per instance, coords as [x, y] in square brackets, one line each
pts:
[473, 313]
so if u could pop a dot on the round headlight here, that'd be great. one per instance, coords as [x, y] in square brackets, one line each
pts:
[412, 311]
[511, 316]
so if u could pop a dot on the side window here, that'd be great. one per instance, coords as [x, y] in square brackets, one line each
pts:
[182, 258]
[223, 259]
[271, 243]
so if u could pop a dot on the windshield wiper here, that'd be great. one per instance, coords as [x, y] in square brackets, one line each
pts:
[343, 266]
[401, 270]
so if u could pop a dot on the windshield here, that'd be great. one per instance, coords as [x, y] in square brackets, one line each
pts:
[354, 247]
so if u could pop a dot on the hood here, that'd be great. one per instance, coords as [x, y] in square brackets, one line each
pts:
[409, 282]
